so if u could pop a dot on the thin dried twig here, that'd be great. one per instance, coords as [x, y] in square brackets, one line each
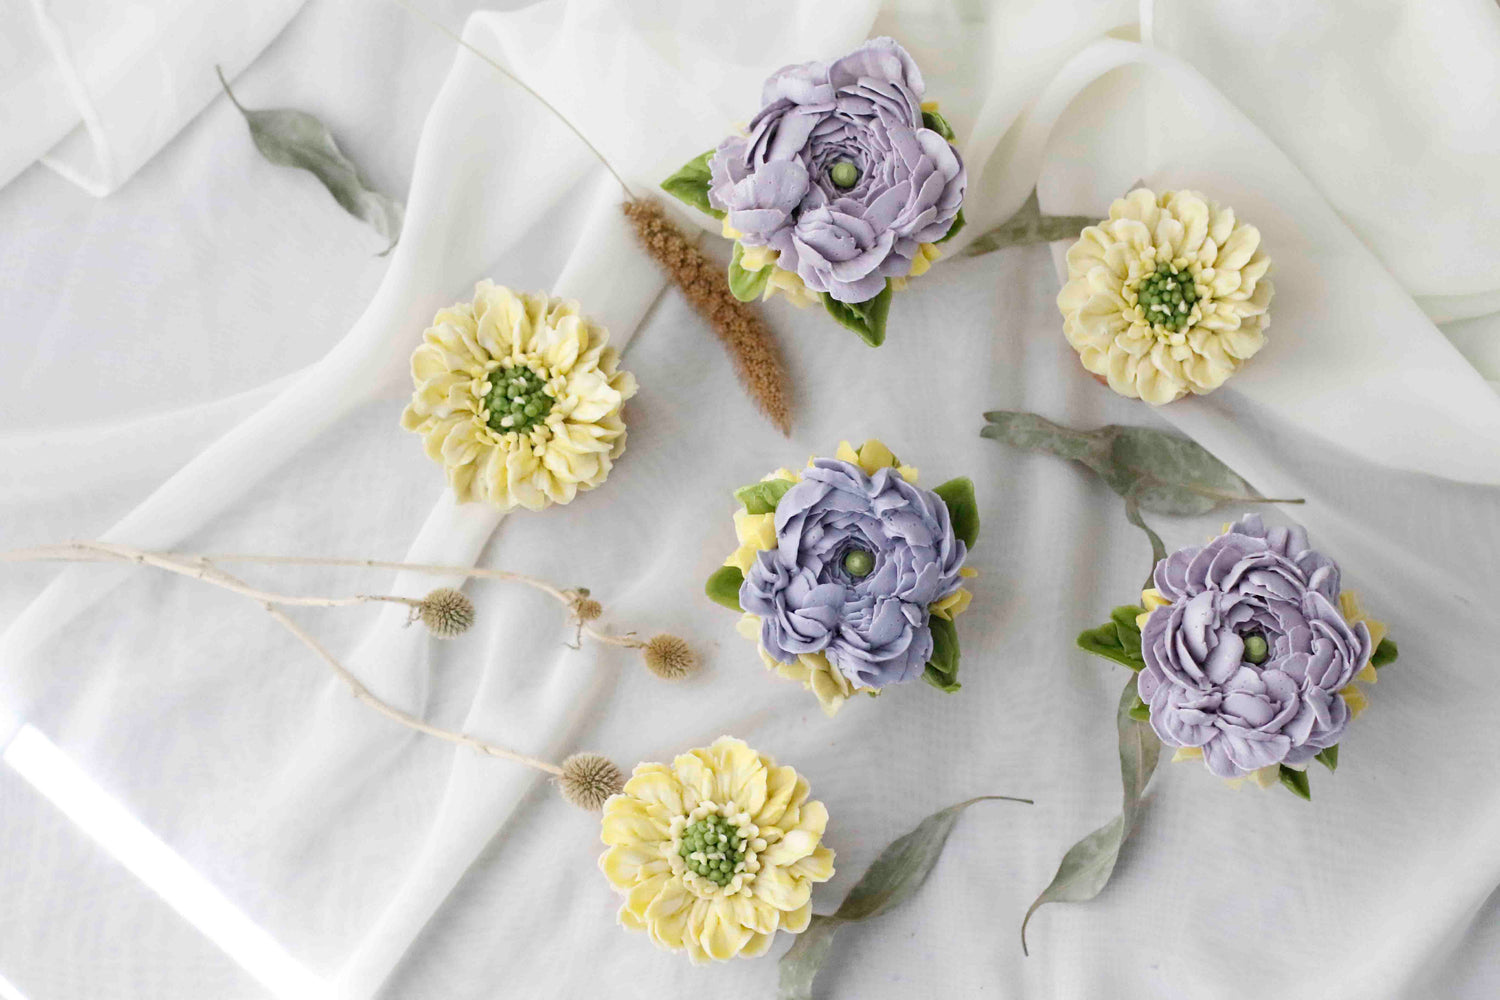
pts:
[579, 776]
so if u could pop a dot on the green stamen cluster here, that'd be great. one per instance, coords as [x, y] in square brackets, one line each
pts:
[721, 847]
[517, 399]
[858, 563]
[1167, 296]
[844, 174]
[1256, 648]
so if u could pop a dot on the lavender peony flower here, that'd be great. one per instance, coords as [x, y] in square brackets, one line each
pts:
[838, 174]
[1248, 659]
[857, 562]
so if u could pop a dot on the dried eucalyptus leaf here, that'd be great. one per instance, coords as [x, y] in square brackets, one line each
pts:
[800, 965]
[1086, 868]
[1037, 433]
[1154, 471]
[296, 139]
[1158, 547]
[1175, 475]
[890, 881]
[1140, 749]
[1028, 226]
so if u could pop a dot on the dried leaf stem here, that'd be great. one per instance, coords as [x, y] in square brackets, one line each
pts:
[455, 36]
[200, 568]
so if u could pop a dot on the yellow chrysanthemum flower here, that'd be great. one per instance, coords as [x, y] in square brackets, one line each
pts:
[757, 532]
[1167, 296]
[519, 397]
[717, 852]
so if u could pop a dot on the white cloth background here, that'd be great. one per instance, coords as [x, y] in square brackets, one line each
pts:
[209, 359]
[94, 90]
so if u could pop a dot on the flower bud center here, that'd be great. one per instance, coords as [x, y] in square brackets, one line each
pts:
[1256, 648]
[1167, 296]
[517, 400]
[858, 563]
[844, 174]
[712, 847]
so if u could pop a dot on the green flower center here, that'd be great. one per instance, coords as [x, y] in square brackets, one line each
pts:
[712, 847]
[1256, 648]
[858, 563]
[1167, 296]
[844, 174]
[517, 400]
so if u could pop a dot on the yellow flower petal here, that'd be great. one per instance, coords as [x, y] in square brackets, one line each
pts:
[722, 936]
[873, 456]
[777, 888]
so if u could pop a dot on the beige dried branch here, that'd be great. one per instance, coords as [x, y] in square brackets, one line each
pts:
[585, 779]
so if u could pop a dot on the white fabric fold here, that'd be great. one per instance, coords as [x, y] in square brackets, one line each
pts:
[397, 866]
[94, 90]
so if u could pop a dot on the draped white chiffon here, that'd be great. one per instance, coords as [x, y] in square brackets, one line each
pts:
[1366, 148]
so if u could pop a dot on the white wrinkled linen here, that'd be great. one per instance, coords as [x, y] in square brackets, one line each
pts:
[214, 363]
[94, 90]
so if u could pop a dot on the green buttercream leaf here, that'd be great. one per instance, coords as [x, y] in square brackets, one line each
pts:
[963, 509]
[1329, 758]
[724, 586]
[1117, 639]
[1140, 711]
[690, 184]
[1086, 868]
[762, 497]
[296, 139]
[1105, 641]
[1297, 782]
[865, 318]
[1124, 618]
[892, 879]
[746, 286]
[938, 124]
[1384, 653]
[953, 230]
[942, 670]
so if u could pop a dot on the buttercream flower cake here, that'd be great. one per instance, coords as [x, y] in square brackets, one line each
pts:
[1167, 296]
[1248, 653]
[850, 575]
[519, 397]
[715, 852]
[839, 189]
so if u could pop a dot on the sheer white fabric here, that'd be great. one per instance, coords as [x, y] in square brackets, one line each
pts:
[94, 90]
[390, 864]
